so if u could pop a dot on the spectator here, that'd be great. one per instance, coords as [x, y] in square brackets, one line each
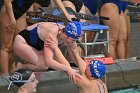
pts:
[125, 19]
[24, 79]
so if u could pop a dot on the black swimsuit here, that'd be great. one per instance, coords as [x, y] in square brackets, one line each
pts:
[21, 6]
[32, 38]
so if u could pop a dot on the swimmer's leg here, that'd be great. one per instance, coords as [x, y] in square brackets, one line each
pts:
[29, 54]
[127, 52]
[111, 11]
[7, 35]
[120, 49]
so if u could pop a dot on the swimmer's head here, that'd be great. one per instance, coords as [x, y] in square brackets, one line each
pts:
[20, 77]
[73, 30]
[24, 78]
[96, 68]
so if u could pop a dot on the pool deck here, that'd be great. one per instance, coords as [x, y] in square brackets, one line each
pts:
[119, 75]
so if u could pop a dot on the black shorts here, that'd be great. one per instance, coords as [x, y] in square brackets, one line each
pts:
[32, 38]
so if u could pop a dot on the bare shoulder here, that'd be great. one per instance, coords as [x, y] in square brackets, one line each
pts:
[48, 29]
[84, 81]
[51, 27]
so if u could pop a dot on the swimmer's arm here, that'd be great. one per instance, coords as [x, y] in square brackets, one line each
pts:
[50, 62]
[9, 10]
[52, 42]
[70, 55]
[61, 6]
[50, 50]
[60, 57]
[80, 62]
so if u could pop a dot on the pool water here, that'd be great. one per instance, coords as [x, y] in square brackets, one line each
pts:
[130, 90]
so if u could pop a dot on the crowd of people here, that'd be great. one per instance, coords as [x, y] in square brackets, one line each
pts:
[38, 45]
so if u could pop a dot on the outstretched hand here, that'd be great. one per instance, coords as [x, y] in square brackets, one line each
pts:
[73, 74]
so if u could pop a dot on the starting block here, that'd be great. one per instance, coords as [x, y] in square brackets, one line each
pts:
[98, 29]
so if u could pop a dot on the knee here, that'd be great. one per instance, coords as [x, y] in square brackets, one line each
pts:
[122, 39]
[16, 46]
[6, 44]
[113, 42]
[6, 49]
[128, 37]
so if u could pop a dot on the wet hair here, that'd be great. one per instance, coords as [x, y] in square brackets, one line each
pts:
[20, 76]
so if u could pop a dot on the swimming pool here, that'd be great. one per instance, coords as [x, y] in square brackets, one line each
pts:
[128, 90]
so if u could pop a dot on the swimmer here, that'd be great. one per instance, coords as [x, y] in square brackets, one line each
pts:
[31, 45]
[91, 72]
[12, 21]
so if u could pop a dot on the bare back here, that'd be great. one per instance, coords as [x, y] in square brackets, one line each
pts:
[91, 86]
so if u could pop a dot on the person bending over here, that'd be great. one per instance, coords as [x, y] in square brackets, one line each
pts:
[12, 21]
[24, 79]
[31, 45]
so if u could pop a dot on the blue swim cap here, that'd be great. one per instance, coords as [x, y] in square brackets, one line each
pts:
[97, 68]
[73, 30]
